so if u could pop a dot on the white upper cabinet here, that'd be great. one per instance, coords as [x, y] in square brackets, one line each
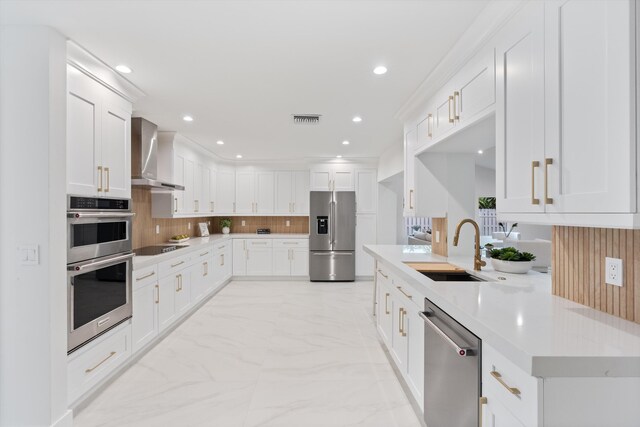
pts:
[366, 191]
[98, 139]
[520, 111]
[409, 173]
[245, 191]
[590, 112]
[225, 191]
[475, 87]
[339, 177]
[264, 189]
[291, 192]
[254, 191]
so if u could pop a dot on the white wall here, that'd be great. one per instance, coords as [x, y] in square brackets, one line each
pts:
[485, 182]
[390, 219]
[33, 330]
[391, 162]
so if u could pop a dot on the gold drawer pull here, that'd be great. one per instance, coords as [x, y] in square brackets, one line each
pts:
[498, 377]
[204, 253]
[534, 165]
[383, 275]
[175, 265]
[106, 190]
[430, 125]
[158, 294]
[289, 243]
[100, 178]
[403, 292]
[221, 247]
[456, 105]
[86, 371]
[145, 276]
[386, 303]
[548, 200]
[451, 118]
[410, 199]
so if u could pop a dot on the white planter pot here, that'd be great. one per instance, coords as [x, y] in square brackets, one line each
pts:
[518, 267]
[225, 230]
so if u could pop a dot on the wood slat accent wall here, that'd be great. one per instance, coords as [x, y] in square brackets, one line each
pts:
[439, 224]
[144, 225]
[578, 268]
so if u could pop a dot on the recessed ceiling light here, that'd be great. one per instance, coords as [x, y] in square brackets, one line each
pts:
[339, 156]
[123, 69]
[345, 142]
[187, 118]
[220, 142]
[238, 156]
[357, 119]
[380, 69]
[479, 151]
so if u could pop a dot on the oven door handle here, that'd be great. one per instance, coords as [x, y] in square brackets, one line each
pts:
[460, 351]
[92, 265]
[79, 215]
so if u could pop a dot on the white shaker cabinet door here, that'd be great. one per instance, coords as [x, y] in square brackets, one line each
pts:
[116, 151]
[494, 414]
[281, 262]
[264, 192]
[166, 305]
[520, 112]
[366, 191]
[259, 262]
[301, 192]
[245, 189]
[225, 191]
[239, 257]
[284, 192]
[300, 262]
[144, 322]
[590, 106]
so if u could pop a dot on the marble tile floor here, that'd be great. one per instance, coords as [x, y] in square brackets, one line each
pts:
[285, 354]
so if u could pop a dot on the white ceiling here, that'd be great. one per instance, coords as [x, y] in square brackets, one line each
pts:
[241, 68]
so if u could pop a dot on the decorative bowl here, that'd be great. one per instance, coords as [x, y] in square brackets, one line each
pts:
[517, 267]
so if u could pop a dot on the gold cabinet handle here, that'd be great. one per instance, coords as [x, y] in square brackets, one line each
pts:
[402, 313]
[498, 377]
[456, 105]
[400, 321]
[548, 200]
[383, 275]
[205, 269]
[157, 294]
[430, 125]
[204, 253]
[386, 303]
[483, 401]
[177, 264]
[410, 199]
[195, 205]
[403, 292]
[106, 170]
[175, 201]
[113, 353]
[100, 178]
[221, 259]
[145, 276]
[450, 114]
[534, 165]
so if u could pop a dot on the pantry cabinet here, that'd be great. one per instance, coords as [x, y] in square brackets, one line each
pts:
[98, 139]
[366, 191]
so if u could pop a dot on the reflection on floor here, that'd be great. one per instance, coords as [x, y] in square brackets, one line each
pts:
[287, 354]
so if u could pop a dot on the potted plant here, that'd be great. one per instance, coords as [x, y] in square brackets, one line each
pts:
[225, 224]
[511, 260]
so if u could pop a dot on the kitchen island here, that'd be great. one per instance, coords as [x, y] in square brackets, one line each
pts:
[573, 365]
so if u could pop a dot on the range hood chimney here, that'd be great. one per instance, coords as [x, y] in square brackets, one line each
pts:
[144, 156]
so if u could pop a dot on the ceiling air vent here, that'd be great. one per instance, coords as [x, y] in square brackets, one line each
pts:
[306, 119]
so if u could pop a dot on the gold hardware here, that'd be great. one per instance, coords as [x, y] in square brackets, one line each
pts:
[100, 178]
[386, 303]
[145, 276]
[289, 243]
[383, 275]
[401, 321]
[483, 401]
[195, 205]
[86, 371]
[211, 206]
[430, 125]
[259, 243]
[175, 199]
[498, 377]
[177, 283]
[403, 292]
[478, 263]
[106, 190]
[410, 199]
[204, 253]
[456, 105]
[548, 200]
[221, 259]
[158, 294]
[534, 165]
[205, 268]
[177, 264]
[451, 119]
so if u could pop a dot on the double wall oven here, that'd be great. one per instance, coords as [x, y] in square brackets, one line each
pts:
[99, 266]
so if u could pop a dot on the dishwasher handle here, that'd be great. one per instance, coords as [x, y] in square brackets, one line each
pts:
[460, 351]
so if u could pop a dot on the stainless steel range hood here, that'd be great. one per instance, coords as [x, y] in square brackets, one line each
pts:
[144, 156]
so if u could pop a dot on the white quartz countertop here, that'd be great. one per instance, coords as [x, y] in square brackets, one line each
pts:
[196, 243]
[545, 335]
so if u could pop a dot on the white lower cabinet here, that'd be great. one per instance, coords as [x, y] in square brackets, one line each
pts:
[90, 364]
[385, 308]
[146, 293]
[494, 414]
[271, 257]
[169, 286]
[202, 275]
[291, 257]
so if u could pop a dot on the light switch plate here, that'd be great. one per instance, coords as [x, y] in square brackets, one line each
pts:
[29, 255]
[243, 223]
[157, 228]
[437, 236]
[613, 271]
[288, 223]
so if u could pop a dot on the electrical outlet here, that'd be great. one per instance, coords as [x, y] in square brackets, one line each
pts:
[614, 271]
[157, 228]
[288, 223]
[243, 223]
[208, 222]
[437, 236]
[189, 225]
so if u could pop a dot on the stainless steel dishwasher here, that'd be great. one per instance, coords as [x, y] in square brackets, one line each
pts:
[452, 371]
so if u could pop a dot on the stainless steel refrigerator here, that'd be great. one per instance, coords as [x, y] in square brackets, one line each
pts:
[332, 236]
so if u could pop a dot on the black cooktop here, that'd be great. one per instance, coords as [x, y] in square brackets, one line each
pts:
[157, 250]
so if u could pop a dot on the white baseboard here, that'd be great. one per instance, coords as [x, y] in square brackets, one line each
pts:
[271, 278]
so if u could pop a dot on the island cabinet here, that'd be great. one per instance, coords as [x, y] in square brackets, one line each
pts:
[401, 328]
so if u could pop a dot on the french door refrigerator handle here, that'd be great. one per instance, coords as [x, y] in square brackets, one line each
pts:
[461, 351]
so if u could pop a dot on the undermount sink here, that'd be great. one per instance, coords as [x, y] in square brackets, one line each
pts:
[458, 276]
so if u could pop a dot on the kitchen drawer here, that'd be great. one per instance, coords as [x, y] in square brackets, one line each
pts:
[144, 276]
[290, 243]
[173, 265]
[219, 247]
[523, 403]
[259, 243]
[202, 254]
[94, 362]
